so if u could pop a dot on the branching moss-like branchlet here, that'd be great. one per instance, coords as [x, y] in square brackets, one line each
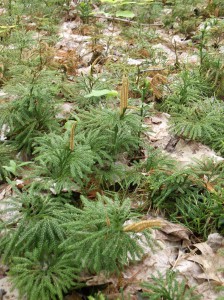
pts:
[38, 220]
[188, 87]
[33, 111]
[168, 287]
[99, 237]
[201, 213]
[46, 276]
[31, 236]
[6, 154]
[120, 132]
[62, 166]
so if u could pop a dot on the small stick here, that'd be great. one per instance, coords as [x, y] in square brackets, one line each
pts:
[126, 21]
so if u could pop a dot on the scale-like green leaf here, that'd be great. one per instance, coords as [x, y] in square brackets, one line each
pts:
[100, 93]
[125, 14]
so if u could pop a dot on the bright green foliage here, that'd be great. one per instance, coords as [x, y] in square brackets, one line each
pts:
[193, 115]
[29, 121]
[13, 52]
[83, 86]
[6, 154]
[21, 40]
[59, 165]
[212, 69]
[217, 143]
[216, 6]
[202, 214]
[187, 88]
[28, 81]
[168, 288]
[143, 10]
[101, 93]
[100, 136]
[158, 161]
[211, 171]
[98, 238]
[164, 180]
[99, 296]
[111, 175]
[85, 10]
[196, 123]
[185, 13]
[31, 234]
[109, 134]
[44, 277]
[33, 113]
[192, 196]
[120, 133]
[14, 168]
[201, 121]
[169, 185]
[43, 238]
[38, 220]
[202, 211]
[49, 9]
[30, 106]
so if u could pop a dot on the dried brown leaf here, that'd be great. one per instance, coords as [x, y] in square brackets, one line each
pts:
[156, 83]
[2, 194]
[5, 190]
[210, 262]
[174, 232]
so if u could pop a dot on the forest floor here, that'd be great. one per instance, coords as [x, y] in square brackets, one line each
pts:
[116, 43]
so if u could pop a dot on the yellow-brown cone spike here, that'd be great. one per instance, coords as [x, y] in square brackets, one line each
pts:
[72, 136]
[140, 226]
[124, 95]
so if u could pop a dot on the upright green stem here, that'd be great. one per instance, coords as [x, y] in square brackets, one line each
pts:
[143, 96]
[202, 44]
[10, 8]
[115, 140]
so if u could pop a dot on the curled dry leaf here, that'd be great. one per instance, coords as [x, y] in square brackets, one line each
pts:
[210, 262]
[2, 194]
[5, 190]
[157, 83]
[99, 279]
[156, 120]
[215, 241]
[175, 233]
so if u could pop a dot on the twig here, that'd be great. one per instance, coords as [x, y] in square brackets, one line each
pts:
[126, 20]
[152, 70]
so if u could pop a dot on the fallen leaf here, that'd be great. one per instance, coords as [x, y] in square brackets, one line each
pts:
[206, 290]
[99, 279]
[156, 120]
[157, 85]
[100, 93]
[174, 232]
[215, 241]
[2, 194]
[5, 190]
[210, 262]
